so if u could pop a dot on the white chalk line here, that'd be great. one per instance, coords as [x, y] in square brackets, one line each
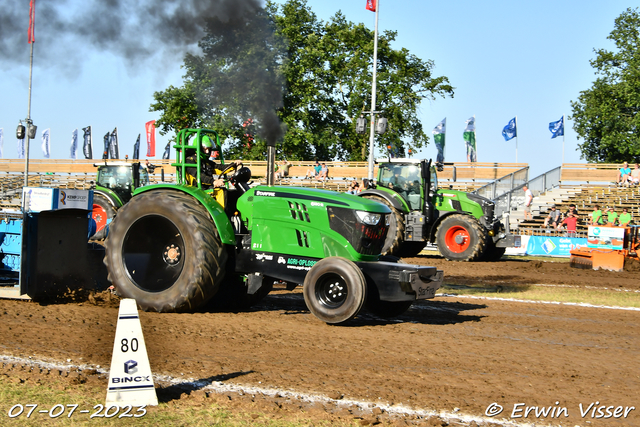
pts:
[575, 304]
[228, 387]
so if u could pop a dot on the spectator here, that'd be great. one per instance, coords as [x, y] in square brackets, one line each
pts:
[571, 222]
[324, 172]
[149, 166]
[612, 216]
[528, 198]
[596, 216]
[624, 174]
[625, 217]
[634, 179]
[554, 218]
[354, 187]
[282, 170]
[573, 210]
[313, 172]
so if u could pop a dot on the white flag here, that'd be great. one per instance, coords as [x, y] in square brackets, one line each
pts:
[74, 144]
[21, 148]
[46, 151]
[1, 142]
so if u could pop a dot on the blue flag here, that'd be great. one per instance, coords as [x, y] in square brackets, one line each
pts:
[510, 131]
[557, 128]
[74, 144]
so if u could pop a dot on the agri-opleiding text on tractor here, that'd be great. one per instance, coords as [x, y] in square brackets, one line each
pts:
[114, 187]
[608, 247]
[179, 247]
[461, 224]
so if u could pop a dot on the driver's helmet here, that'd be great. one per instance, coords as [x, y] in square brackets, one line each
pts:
[205, 143]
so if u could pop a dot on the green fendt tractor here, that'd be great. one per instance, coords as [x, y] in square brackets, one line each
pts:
[461, 224]
[114, 187]
[179, 247]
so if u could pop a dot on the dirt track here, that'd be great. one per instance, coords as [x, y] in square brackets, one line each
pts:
[450, 354]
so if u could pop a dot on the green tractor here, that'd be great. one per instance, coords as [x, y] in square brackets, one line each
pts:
[461, 224]
[183, 247]
[114, 187]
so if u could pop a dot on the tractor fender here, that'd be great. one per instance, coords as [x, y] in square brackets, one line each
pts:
[219, 217]
[392, 197]
[112, 197]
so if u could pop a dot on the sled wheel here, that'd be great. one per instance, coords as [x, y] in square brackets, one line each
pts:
[163, 250]
[395, 235]
[103, 213]
[461, 238]
[335, 290]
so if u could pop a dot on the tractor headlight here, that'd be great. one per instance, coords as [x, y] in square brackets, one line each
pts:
[368, 217]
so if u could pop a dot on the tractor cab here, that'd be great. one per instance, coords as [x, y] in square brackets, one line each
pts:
[121, 178]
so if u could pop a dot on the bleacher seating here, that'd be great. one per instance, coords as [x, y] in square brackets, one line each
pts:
[585, 200]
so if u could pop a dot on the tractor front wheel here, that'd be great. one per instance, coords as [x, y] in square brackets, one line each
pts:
[461, 238]
[103, 213]
[163, 250]
[335, 290]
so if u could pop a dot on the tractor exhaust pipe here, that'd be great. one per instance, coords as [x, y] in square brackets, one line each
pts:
[271, 163]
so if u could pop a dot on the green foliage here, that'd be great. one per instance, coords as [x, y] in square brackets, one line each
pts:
[605, 115]
[316, 75]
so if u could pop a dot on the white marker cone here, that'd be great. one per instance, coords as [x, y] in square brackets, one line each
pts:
[130, 379]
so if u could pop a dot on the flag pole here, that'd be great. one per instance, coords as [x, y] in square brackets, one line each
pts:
[26, 148]
[563, 138]
[373, 94]
[516, 139]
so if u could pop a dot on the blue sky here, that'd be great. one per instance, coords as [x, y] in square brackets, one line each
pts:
[505, 59]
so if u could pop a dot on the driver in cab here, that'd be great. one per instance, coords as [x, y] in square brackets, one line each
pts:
[207, 166]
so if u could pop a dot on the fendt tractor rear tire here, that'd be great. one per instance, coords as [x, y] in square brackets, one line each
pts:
[395, 235]
[103, 213]
[335, 290]
[163, 250]
[492, 252]
[461, 238]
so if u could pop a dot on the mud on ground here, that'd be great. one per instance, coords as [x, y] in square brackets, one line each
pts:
[449, 354]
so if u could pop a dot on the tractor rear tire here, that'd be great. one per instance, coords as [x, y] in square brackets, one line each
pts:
[395, 235]
[103, 213]
[493, 253]
[461, 238]
[163, 250]
[335, 290]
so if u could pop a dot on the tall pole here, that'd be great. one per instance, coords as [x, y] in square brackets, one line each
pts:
[516, 139]
[373, 94]
[26, 148]
[563, 138]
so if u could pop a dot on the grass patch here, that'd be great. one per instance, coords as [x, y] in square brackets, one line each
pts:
[15, 389]
[549, 293]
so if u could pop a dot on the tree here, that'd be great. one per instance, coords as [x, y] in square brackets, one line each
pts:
[605, 115]
[317, 77]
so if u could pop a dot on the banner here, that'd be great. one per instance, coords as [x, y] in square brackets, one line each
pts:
[167, 151]
[32, 21]
[469, 136]
[371, 5]
[510, 131]
[557, 128]
[136, 149]
[105, 155]
[113, 145]
[150, 129]
[46, 149]
[74, 144]
[554, 246]
[86, 148]
[439, 135]
[21, 148]
[1, 143]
